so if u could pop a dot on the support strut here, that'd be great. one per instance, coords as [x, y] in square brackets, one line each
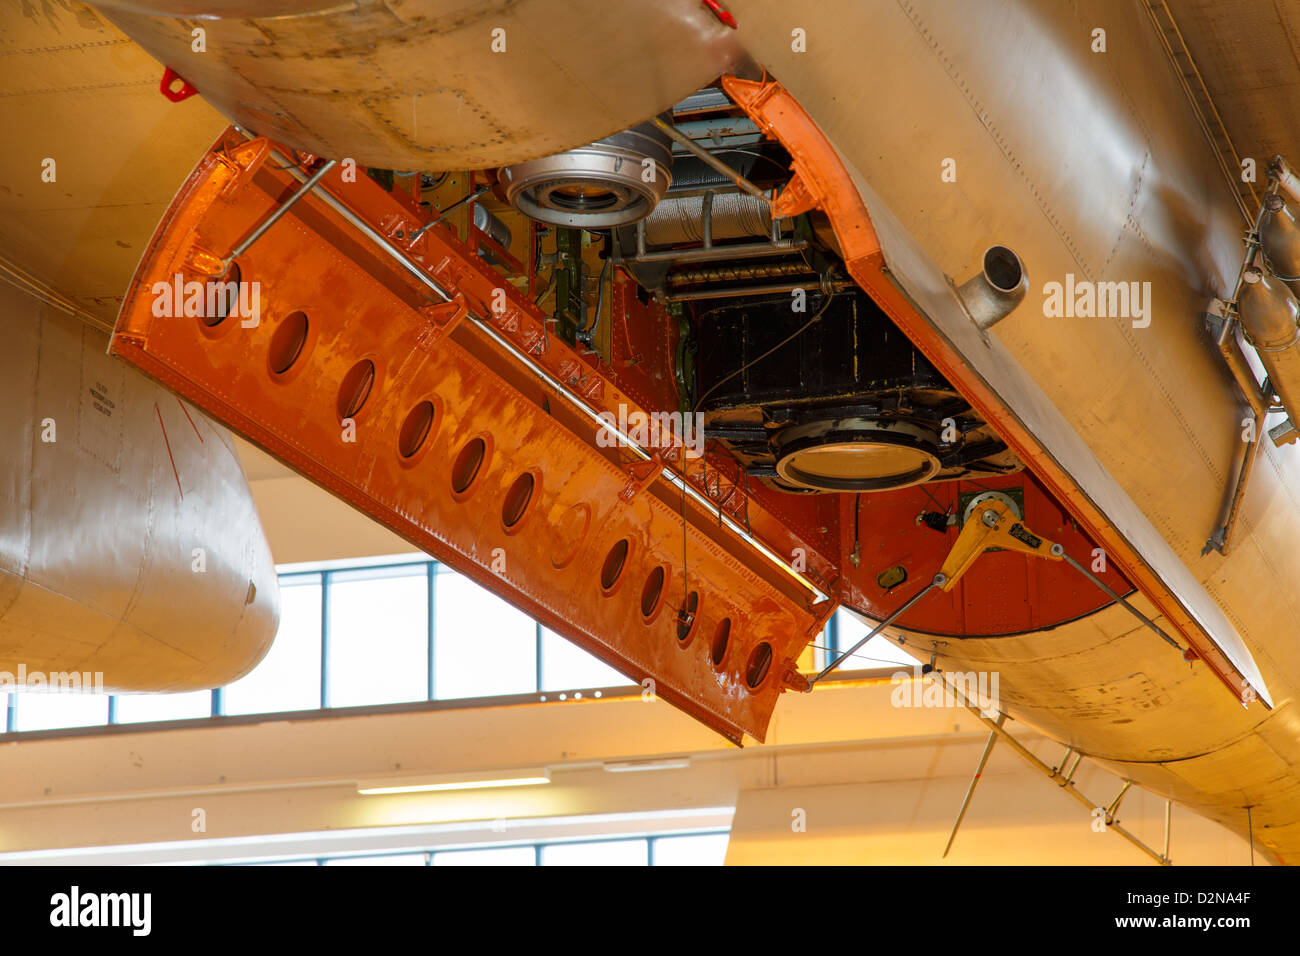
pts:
[974, 781]
[990, 524]
[1064, 782]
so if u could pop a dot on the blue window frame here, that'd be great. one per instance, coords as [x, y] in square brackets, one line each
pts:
[401, 630]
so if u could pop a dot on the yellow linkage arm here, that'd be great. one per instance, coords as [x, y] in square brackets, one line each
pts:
[992, 525]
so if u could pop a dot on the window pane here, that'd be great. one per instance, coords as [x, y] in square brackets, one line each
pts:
[880, 651]
[566, 666]
[379, 636]
[289, 863]
[392, 859]
[499, 856]
[138, 708]
[614, 853]
[56, 711]
[288, 678]
[482, 645]
[698, 849]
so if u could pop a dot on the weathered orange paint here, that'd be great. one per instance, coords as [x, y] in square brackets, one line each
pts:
[361, 308]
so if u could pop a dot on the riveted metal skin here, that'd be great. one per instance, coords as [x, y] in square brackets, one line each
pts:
[436, 84]
[585, 499]
[820, 179]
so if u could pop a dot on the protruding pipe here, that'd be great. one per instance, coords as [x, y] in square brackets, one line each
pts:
[1285, 175]
[1279, 240]
[1235, 358]
[1270, 317]
[1001, 284]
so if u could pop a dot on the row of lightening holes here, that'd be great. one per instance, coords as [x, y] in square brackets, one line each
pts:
[760, 658]
[286, 348]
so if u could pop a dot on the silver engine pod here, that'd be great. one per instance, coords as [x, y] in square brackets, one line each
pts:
[614, 181]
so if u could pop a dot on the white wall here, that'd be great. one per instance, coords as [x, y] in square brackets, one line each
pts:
[879, 784]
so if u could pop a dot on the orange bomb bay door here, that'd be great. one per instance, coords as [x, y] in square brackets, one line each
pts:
[409, 379]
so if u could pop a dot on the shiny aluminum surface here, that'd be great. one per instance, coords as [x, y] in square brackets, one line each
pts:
[1091, 165]
[436, 84]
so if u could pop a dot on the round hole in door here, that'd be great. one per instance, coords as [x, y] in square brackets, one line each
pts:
[721, 637]
[287, 342]
[654, 587]
[760, 660]
[356, 388]
[517, 498]
[220, 297]
[686, 616]
[613, 566]
[465, 469]
[415, 429]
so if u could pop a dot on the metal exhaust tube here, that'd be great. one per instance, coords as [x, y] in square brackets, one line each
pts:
[999, 287]
[1270, 317]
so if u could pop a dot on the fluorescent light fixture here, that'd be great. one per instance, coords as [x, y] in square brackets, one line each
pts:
[479, 781]
[631, 766]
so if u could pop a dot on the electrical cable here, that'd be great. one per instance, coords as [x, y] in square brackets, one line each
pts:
[862, 657]
[936, 501]
[735, 149]
[589, 331]
[546, 290]
[830, 296]
[857, 515]
[296, 164]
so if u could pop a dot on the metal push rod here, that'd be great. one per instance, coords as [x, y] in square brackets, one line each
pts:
[702, 154]
[261, 228]
[974, 781]
[938, 581]
[1101, 584]
[1052, 774]
[416, 272]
